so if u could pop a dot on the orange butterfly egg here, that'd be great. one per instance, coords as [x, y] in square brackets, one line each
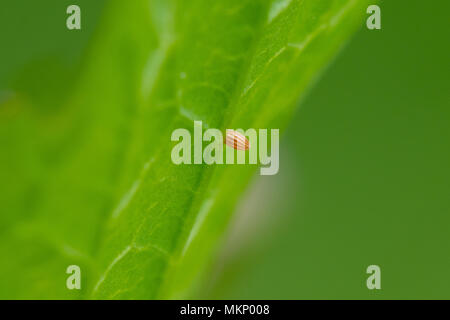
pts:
[236, 140]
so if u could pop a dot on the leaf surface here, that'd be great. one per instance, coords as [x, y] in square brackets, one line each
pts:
[91, 181]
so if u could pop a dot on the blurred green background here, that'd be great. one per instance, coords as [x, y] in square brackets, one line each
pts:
[364, 176]
[364, 170]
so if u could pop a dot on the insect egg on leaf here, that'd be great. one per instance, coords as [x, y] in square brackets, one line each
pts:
[236, 140]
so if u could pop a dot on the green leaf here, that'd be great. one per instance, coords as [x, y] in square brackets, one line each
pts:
[90, 181]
